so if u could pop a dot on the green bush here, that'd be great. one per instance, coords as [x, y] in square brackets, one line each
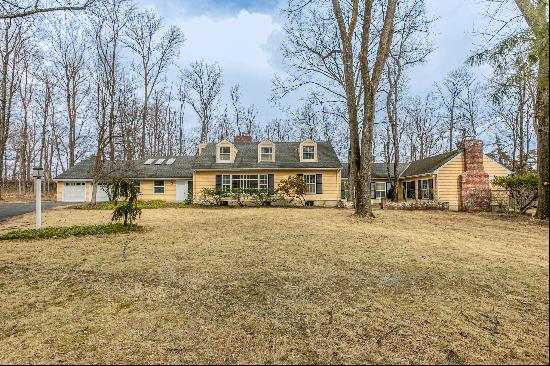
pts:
[124, 195]
[65, 232]
[291, 188]
[140, 204]
[215, 196]
[522, 189]
[263, 197]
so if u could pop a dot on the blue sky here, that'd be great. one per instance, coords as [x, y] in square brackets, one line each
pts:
[241, 34]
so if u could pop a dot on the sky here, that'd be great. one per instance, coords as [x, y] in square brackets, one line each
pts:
[241, 36]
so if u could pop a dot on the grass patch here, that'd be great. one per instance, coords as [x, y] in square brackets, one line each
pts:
[65, 232]
[141, 204]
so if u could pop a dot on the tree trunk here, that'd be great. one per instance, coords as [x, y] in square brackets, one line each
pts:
[541, 110]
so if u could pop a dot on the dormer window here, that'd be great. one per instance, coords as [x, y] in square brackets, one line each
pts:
[225, 153]
[266, 153]
[308, 152]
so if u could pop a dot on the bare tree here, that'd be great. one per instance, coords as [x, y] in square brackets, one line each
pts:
[155, 54]
[12, 10]
[370, 76]
[203, 83]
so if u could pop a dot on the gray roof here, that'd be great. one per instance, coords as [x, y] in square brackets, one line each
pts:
[181, 168]
[286, 157]
[418, 167]
[379, 170]
[429, 165]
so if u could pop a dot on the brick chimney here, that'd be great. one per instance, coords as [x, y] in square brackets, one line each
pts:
[243, 139]
[474, 181]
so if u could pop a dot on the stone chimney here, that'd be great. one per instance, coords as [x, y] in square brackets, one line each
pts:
[243, 139]
[474, 181]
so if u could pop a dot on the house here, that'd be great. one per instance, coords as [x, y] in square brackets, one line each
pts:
[239, 164]
[461, 177]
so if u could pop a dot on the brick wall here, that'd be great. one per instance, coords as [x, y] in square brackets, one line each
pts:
[475, 192]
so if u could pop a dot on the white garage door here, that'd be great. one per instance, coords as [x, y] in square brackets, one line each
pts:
[74, 192]
[101, 195]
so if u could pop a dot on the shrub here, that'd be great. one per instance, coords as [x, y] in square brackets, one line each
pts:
[417, 205]
[124, 196]
[65, 232]
[214, 196]
[263, 197]
[522, 189]
[291, 188]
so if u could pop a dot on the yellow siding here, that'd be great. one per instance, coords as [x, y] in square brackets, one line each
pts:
[147, 191]
[448, 181]
[331, 181]
[493, 168]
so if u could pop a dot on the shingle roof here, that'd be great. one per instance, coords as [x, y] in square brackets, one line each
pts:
[379, 170]
[429, 165]
[286, 157]
[417, 167]
[181, 168]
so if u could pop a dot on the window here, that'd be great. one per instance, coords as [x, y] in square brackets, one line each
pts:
[311, 183]
[159, 187]
[410, 187]
[426, 189]
[137, 185]
[159, 161]
[266, 153]
[170, 161]
[226, 182]
[245, 181]
[149, 161]
[225, 153]
[380, 189]
[308, 152]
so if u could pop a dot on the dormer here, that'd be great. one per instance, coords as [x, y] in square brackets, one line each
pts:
[266, 152]
[202, 147]
[225, 152]
[308, 151]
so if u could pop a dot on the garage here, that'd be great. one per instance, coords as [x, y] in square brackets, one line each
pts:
[74, 191]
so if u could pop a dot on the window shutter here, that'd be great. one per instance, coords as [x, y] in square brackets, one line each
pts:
[372, 190]
[218, 182]
[271, 182]
[319, 183]
[342, 190]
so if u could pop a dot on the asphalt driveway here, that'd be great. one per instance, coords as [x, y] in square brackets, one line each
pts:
[8, 210]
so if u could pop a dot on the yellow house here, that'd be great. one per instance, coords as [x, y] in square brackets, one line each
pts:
[461, 178]
[226, 165]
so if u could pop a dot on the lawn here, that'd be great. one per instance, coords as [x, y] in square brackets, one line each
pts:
[276, 285]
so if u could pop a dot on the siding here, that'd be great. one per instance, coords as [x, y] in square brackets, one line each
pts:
[331, 181]
[493, 168]
[147, 191]
[448, 181]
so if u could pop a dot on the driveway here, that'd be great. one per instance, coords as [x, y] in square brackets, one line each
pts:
[8, 210]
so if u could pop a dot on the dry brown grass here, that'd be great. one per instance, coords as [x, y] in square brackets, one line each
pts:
[278, 285]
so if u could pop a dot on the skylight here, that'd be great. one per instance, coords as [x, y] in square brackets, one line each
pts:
[159, 161]
[170, 161]
[149, 161]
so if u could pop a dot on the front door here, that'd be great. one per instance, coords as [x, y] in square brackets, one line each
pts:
[181, 190]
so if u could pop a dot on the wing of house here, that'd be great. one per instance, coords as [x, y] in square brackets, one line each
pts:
[461, 177]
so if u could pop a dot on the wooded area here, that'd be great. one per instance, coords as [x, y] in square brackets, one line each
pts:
[90, 78]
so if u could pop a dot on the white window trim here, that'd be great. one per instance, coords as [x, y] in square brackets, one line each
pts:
[266, 185]
[314, 152]
[272, 153]
[163, 187]
[314, 183]
[219, 152]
